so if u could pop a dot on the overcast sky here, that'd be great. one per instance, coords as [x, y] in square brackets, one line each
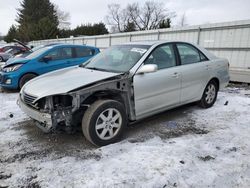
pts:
[92, 11]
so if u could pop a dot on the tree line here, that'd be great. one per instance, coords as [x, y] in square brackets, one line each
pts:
[41, 19]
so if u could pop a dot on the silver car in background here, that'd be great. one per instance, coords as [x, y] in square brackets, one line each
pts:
[123, 84]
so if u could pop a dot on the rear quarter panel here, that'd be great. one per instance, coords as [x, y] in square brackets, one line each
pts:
[220, 69]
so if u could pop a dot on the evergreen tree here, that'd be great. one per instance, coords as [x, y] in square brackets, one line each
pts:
[130, 27]
[99, 29]
[37, 20]
[65, 33]
[165, 23]
[89, 29]
[12, 33]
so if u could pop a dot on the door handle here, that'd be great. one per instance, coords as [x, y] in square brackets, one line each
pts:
[175, 75]
[208, 67]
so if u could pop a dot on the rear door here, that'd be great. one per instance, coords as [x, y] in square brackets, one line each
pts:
[60, 58]
[194, 70]
[158, 90]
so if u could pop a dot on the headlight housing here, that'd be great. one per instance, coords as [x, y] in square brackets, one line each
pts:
[12, 68]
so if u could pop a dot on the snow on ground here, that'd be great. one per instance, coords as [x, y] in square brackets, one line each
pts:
[185, 147]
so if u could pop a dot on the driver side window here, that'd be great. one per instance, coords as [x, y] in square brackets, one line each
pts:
[60, 53]
[163, 56]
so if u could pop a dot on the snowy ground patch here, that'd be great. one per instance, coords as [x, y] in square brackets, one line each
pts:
[184, 147]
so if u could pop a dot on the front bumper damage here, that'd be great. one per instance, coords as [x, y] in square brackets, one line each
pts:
[42, 120]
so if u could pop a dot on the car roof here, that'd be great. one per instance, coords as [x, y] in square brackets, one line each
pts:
[69, 45]
[52, 44]
[148, 42]
[153, 42]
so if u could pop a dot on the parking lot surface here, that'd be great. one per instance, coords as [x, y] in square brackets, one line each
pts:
[183, 147]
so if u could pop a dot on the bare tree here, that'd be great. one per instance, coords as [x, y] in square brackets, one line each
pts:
[150, 15]
[117, 18]
[63, 18]
[146, 17]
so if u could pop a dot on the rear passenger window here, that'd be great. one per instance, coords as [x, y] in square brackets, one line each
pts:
[189, 54]
[84, 52]
[163, 56]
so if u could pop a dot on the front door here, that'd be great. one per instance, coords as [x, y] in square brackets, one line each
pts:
[60, 58]
[154, 92]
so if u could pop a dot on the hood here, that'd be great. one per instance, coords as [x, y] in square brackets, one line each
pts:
[17, 60]
[22, 44]
[63, 81]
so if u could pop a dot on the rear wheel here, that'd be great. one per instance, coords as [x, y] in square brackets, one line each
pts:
[103, 122]
[209, 95]
[25, 78]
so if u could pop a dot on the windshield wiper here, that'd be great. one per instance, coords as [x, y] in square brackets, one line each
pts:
[95, 68]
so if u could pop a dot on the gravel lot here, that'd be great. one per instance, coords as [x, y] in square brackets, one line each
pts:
[184, 147]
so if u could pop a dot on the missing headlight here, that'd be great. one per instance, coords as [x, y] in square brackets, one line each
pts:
[62, 101]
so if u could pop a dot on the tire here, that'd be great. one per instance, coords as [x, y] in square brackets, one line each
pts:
[25, 78]
[209, 95]
[98, 127]
[1, 59]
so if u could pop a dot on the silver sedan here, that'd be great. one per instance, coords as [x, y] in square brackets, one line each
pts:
[123, 84]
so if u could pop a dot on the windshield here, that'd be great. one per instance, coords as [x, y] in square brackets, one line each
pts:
[38, 52]
[120, 58]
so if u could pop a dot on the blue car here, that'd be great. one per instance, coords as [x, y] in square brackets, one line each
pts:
[18, 71]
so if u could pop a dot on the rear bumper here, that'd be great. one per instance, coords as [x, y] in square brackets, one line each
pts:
[224, 82]
[43, 120]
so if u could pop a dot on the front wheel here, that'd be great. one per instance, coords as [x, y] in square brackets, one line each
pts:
[103, 122]
[209, 95]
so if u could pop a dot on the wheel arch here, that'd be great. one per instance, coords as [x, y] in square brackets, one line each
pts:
[99, 95]
[28, 73]
[104, 94]
[216, 80]
[34, 73]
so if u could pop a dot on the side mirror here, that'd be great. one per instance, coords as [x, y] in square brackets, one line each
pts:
[147, 68]
[46, 58]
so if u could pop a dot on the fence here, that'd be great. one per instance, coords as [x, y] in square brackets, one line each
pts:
[230, 40]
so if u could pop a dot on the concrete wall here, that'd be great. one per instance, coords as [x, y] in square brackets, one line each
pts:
[230, 40]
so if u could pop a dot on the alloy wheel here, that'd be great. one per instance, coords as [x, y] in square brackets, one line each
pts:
[108, 124]
[210, 93]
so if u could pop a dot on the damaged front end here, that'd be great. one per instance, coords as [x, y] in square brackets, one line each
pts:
[49, 112]
[65, 111]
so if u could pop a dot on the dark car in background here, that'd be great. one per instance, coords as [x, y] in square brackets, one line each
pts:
[26, 53]
[7, 47]
[9, 51]
[12, 52]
